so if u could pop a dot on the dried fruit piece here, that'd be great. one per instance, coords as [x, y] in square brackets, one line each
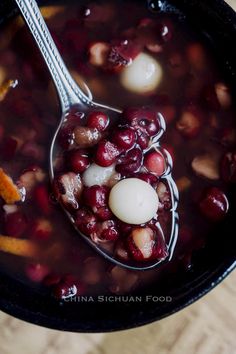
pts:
[143, 245]
[207, 166]
[31, 177]
[109, 231]
[18, 247]
[183, 183]
[68, 188]
[98, 175]
[86, 137]
[8, 190]
[98, 53]
[50, 11]
[223, 95]
[190, 122]
[164, 196]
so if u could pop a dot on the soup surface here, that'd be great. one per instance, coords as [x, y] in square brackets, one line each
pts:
[177, 122]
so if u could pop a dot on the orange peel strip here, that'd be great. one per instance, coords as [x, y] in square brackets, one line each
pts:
[18, 247]
[8, 190]
[5, 87]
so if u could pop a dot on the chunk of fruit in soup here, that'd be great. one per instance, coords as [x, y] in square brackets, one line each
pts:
[183, 183]
[143, 245]
[164, 196]
[214, 204]
[190, 122]
[155, 163]
[68, 188]
[206, 166]
[223, 94]
[228, 167]
[86, 137]
[31, 177]
[109, 231]
[133, 201]
[98, 53]
[143, 75]
[98, 175]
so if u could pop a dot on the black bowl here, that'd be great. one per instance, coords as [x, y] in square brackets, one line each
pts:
[217, 22]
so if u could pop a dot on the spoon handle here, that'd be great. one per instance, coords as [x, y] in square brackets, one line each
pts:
[68, 91]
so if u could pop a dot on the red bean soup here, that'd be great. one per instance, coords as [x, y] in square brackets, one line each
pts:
[173, 143]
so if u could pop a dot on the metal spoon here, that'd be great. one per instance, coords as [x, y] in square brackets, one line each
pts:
[71, 95]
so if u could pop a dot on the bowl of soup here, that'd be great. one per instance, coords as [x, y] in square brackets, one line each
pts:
[156, 184]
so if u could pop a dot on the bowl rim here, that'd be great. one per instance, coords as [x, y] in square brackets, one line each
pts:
[194, 294]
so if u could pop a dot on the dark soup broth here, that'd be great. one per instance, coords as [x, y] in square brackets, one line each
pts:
[165, 77]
